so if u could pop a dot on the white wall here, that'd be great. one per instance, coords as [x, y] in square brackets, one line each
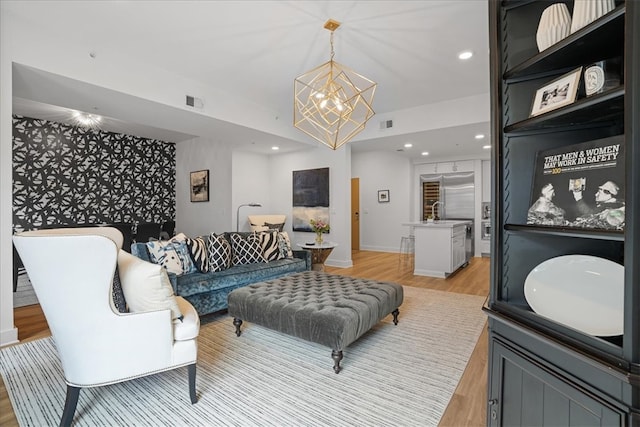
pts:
[381, 223]
[201, 218]
[250, 181]
[268, 180]
[8, 332]
[339, 164]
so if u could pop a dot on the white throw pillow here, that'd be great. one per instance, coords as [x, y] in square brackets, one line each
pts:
[146, 286]
[172, 254]
[285, 245]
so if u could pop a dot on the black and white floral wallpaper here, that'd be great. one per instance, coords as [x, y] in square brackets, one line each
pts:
[64, 174]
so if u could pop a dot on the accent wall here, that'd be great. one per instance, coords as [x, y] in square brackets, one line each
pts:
[65, 175]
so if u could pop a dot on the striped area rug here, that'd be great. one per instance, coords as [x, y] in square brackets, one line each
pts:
[400, 375]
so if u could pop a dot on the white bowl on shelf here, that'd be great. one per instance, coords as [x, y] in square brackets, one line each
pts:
[580, 291]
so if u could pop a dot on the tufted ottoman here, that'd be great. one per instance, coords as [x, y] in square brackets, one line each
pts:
[323, 308]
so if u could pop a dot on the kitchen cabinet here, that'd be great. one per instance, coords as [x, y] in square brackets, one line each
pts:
[542, 372]
[446, 167]
[440, 247]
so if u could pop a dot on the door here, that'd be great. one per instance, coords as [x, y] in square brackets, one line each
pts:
[355, 214]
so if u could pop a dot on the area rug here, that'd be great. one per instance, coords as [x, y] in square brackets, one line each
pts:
[400, 375]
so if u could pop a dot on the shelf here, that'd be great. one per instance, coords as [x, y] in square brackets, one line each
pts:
[596, 110]
[566, 232]
[606, 349]
[602, 39]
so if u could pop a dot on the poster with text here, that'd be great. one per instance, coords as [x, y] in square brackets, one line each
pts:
[580, 186]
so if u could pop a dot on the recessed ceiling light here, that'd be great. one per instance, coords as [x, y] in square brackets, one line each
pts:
[479, 136]
[90, 121]
[408, 145]
[275, 148]
[486, 147]
[425, 153]
[465, 54]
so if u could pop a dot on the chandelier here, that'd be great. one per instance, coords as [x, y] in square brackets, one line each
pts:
[332, 103]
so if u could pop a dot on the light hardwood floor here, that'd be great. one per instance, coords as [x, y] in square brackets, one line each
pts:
[468, 404]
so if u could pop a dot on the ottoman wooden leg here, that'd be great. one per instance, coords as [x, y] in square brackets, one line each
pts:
[336, 355]
[237, 323]
[395, 316]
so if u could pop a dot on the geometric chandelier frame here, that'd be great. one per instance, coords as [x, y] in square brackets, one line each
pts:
[332, 103]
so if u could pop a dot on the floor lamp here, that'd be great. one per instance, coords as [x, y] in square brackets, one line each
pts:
[253, 205]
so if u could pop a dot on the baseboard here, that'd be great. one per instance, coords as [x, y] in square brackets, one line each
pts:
[379, 248]
[339, 264]
[9, 336]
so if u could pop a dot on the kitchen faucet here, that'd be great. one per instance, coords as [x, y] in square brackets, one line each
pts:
[433, 207]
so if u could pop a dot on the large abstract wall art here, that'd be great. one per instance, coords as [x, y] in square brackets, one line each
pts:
[310, 197]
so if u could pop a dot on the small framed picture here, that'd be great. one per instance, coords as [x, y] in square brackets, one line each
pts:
[558, 93]
[199, 186]
[383, 196]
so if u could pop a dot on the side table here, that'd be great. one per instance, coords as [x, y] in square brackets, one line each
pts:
[319, 253]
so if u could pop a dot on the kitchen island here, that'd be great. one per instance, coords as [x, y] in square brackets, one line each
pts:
[439, 247]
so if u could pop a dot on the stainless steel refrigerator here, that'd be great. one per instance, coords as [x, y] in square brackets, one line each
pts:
[457, 194]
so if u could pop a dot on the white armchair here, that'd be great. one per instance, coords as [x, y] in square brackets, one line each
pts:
[72, 272]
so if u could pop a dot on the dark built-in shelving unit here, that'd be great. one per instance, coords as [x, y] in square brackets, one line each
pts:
[542, 372]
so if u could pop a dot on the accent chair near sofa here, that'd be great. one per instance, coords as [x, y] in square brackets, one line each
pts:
[76, 274]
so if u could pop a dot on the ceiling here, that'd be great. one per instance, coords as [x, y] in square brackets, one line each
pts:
[253, 50]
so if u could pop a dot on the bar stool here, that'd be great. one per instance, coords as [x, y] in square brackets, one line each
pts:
[407, 249]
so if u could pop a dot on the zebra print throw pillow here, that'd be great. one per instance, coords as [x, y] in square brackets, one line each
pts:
[269, 243]
[198, 251]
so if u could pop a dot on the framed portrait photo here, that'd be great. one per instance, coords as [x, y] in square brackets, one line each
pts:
[558, 93]
[199, 186]
[383, 196]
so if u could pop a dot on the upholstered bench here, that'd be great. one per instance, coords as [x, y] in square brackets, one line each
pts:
[323, 308]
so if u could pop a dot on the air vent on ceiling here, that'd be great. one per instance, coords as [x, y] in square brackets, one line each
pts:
[194, 102]
[386, 124]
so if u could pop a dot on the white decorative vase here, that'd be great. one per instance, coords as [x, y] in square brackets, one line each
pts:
[555, 24]
[587, 11]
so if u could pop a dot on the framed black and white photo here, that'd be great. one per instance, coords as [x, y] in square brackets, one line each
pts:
[199, 186]
[558, 93]
[383, 196]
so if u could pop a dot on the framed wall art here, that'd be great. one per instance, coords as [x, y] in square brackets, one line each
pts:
[199, 186]
[310, 198]
[383, 196]
[558, 93]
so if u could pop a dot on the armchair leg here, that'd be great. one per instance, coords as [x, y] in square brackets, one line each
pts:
[70, 404]
[192, 383]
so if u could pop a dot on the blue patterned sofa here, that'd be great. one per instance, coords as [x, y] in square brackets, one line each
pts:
[207, 292]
